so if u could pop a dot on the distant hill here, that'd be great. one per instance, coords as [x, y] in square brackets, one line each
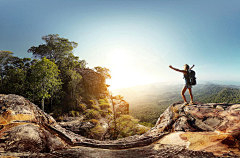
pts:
[147, 102]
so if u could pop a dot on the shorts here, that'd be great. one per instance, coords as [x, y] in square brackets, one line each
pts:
[187, 86]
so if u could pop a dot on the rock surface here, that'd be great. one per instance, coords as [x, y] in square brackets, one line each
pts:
[200, 130]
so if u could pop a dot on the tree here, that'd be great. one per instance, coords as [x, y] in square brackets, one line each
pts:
[59, 50]
[45, 79]
[74, 86]
[103, 71]
[55, 48]
[4, 56]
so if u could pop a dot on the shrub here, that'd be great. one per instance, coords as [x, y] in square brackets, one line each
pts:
[94, 121]
[93, 114]
[72, 113]
[127, 126]
[97, 131]
[110, 111]
[81, 107]
[92, 102]
[103, 113]
[104, 104]
[95, 107]
[119, 97]
[76, 113]
[147, 124]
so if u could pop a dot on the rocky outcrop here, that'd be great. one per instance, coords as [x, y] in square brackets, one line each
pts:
[92, 82]
[203, 127]
[120, 106]
[199, 130]
[22, 126]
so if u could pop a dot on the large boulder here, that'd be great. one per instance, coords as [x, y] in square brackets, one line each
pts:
[22, 126]
[212, 127]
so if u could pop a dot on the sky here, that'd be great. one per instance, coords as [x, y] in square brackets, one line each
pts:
[136, 39]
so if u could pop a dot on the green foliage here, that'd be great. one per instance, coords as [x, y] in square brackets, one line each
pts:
[72, 113]
[45, 79]
[92, 114]
[95, 107]
[97, 131]
[94, 121]
[92, 102]
[74, 83]
[119, 97]
[35, 79]
[103, 71]
[104, 104]
[55, 48]
[126, 126]
[148, 108]
[110, 110]
[81, 107]
[147, 124]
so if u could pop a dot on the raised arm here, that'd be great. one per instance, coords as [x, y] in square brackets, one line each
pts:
[192, 67]
[177, 69]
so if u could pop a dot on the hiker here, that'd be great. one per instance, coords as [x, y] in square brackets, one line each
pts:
[187, 85]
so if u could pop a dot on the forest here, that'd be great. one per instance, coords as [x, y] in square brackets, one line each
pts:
[48, 78]
[53, 80]
[148, 102]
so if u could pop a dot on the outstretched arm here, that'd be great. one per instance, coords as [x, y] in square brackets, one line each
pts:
[176, 69]
[192, 67]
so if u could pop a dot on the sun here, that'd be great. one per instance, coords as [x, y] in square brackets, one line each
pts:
[119, 56]
[124, 72]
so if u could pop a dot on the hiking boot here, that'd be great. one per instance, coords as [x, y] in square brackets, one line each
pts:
[191, 103]
[185, 104]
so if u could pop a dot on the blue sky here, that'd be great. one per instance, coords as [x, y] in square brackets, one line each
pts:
[137, 40]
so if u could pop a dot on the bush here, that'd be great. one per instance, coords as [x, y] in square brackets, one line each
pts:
[110, 111]
[147, 124]
[81, 107]
[93, 114]
[127, 126]
[103, 113]
[94, 121]
[97, 131]
[72, 113]
[92, 102]
[104, 104]
[76, 113]
[95, 107]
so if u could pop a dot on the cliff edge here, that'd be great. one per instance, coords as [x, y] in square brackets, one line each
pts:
[199, 130]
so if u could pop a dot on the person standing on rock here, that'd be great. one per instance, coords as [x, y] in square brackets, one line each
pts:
[187, 85]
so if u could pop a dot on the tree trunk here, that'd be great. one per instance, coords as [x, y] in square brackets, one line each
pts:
[43, 104]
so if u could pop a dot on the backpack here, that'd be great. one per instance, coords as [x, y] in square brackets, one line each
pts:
[192, 78]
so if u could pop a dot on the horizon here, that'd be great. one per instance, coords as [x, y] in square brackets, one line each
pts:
[219, 82]
[136, 40]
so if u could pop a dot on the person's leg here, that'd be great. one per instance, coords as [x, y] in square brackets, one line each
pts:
[190, 92]
[183, 91]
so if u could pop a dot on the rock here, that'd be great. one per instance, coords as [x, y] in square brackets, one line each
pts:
[205, 127]
[121, 107]
[22, 126]
[199, 130]
[28, 137]
[92, 82]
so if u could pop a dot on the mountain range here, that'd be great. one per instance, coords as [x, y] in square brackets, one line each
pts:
[147, 102]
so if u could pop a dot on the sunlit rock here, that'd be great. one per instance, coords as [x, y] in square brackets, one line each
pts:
[199, 130]
[203, 127]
